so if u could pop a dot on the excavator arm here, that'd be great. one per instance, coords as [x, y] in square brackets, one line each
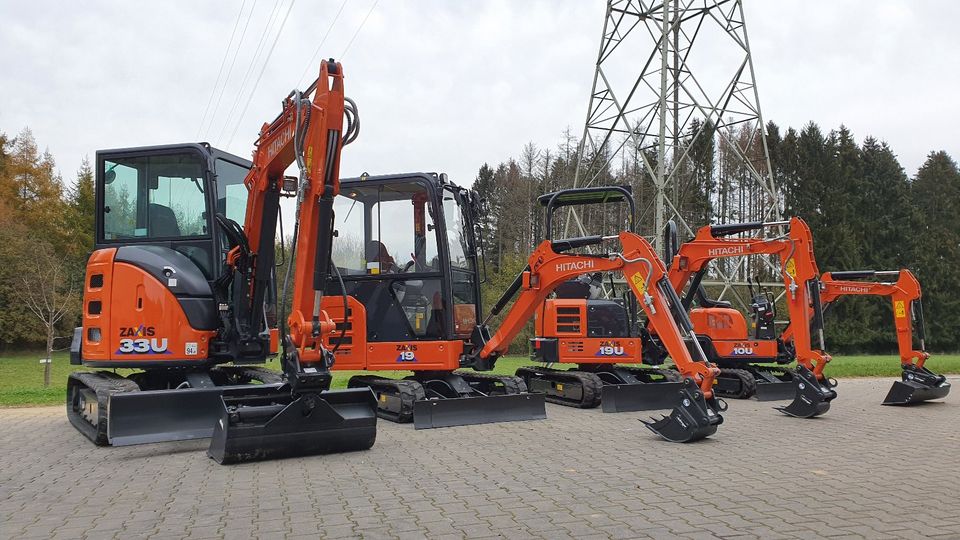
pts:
[301, 416]
[904, 297]
[918, 383]
[308, 132]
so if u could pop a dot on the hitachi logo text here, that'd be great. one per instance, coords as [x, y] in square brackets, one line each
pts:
[722, 251]
[277, 144]
[576, 265]
[854, 289]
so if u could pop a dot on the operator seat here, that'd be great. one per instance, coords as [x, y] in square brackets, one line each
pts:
[162, 221]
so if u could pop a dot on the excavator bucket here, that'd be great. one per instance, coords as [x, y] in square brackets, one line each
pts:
[812, 397]
[692, 417]
[266, 422]
[465, 411]
[917, 384]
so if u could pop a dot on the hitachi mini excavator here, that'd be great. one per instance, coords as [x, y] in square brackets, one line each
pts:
[407, 254]
[918, 382]
[600, 335]
[176, 288]
[722, 330]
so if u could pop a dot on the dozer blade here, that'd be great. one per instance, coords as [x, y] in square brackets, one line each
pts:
[812, 397]
[775, 391]
[437, 413]
[272, 425]
[164, 415]
[917, 384]
[692, 417]
[639, 396]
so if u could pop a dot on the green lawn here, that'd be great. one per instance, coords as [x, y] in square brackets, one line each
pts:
[21, 376]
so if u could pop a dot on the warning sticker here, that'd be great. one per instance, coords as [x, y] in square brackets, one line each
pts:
[899, 309]
[639, 282]
[792, 268]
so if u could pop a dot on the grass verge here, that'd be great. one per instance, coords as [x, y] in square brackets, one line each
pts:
[21, 375]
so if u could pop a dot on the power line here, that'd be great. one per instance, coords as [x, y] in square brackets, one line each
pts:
[233, 61]
[223, 62]
[263, 68]
[363, 22]
[313, 58]
[246, 74]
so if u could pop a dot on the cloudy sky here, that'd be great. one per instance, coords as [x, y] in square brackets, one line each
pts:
[441, 85]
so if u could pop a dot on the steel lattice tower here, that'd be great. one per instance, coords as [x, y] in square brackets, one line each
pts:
[695, 84]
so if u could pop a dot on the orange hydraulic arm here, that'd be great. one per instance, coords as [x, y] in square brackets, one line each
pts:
[904, 294]
[308, 132]
[798, 268]
[548, 267]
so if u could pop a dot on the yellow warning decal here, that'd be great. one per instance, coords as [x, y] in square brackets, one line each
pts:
[559, 387]
[383, 398]
[639, 282]
[792, 268]
[899, 309]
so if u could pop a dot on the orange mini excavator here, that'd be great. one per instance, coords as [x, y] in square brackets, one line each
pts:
[601, 336]
[176, 288]
[408, 256]
[918, 383]
[722, 330]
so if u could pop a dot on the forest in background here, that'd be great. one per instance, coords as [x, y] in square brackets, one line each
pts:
[865, 211]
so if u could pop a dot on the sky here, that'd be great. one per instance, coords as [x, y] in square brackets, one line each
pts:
[441, 85]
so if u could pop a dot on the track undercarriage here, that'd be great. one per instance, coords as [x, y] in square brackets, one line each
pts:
[95, 402]
[432, 399]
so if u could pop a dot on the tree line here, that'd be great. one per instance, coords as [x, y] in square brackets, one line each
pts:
[865, 211]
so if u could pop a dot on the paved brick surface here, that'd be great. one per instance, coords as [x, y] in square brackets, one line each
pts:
[862, 470]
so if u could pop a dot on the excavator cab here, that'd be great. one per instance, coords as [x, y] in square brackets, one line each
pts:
[406, 297]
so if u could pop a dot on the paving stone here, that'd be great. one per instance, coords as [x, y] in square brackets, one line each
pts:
[578, 474]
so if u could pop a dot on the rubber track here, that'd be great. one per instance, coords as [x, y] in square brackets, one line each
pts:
[246, 374]
[511, 383]
[590, 383]
[104, 384]
[408, 391]
[748, 383]
[669, 375]
[779, 373]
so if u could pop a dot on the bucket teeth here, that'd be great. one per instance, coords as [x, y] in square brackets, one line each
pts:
[917, 385]
[690, 420]
[812, 396]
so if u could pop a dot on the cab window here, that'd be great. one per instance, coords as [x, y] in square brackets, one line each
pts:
[159, 196]
[231, 192]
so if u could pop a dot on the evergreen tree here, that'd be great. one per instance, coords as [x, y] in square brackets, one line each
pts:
[935, 194]
[82, 206]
